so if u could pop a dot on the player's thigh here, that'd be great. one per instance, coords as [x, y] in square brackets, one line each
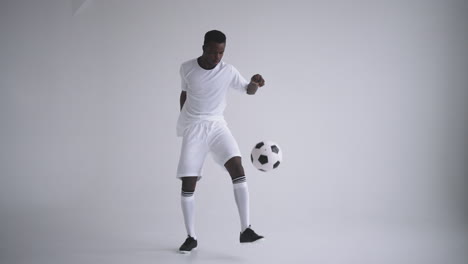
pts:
[223, 145]
[192, 157]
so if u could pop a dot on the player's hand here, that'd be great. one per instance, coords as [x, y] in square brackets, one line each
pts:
[258, 80]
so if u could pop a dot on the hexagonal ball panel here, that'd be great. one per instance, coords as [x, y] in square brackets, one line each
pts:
[263, 159]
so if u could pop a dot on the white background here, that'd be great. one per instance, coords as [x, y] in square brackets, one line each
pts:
[366, 98]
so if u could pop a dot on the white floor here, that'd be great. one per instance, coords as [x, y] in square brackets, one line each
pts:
[295, 242]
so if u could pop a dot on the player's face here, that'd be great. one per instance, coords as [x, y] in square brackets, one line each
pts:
[213, 53]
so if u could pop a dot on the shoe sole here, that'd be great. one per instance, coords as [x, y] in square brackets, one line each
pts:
[184, 252]
[253, 242]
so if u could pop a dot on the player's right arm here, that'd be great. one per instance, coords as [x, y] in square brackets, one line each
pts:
[183, 97]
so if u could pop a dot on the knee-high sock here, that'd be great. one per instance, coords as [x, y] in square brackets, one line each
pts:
[241, 194]
[188, 209]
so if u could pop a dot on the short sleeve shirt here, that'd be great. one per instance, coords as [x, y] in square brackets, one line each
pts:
[206, 92]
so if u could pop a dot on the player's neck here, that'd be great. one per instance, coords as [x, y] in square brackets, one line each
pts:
[202, 63]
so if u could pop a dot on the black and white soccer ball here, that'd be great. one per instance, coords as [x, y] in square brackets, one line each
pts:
[266, 156]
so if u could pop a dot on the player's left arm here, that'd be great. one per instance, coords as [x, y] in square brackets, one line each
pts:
[255, 82]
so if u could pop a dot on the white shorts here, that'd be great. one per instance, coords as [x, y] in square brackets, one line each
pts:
[202, 138]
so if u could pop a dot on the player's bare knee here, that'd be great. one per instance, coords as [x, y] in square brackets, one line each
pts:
[189, 184]
[234, 167]
[233, 162]
[237, 172]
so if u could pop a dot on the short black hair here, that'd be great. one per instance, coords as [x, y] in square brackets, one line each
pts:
[215, 36]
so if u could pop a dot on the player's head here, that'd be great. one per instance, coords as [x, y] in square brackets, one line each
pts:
[213, 47]
[215, 36]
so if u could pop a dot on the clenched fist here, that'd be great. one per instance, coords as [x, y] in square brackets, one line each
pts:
[258, 80]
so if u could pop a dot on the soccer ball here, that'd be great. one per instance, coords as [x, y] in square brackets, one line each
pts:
[266, 155]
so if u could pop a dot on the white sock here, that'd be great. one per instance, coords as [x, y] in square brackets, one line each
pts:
[241, 194]
[188, 209]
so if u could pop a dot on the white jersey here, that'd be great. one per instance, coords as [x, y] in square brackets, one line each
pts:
[206, 92]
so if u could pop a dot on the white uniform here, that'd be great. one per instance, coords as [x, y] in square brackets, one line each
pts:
[201, 122]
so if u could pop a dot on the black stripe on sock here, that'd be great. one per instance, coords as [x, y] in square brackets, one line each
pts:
[187, 194]
[239, 180]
